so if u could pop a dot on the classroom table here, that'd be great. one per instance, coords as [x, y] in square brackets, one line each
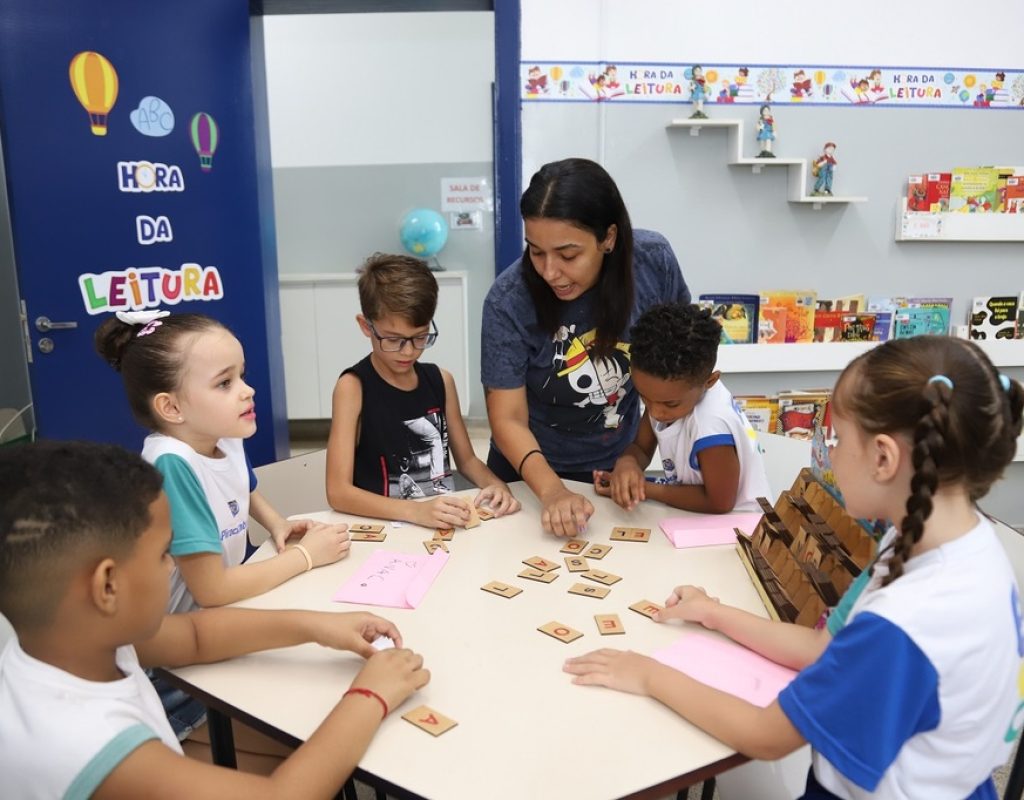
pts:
[524, 730]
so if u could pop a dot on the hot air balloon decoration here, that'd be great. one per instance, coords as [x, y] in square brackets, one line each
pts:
[94, 81]
[205, 135]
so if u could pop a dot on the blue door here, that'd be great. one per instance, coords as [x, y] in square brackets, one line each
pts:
[136, 179]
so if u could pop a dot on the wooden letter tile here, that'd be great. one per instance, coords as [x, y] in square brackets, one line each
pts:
[600, 592]
[576, 564]
[541, 563]
[485, 513]
[647, 608]
[538, 575]
[365, 527]
[601, 577]
[609, 624]
[598, 551]
[433, 722]
[372, 536]
[503, 589]
[561, 632]
[444, 534]
[433, 544]
[574, 546]
[631, 534]
[474, 516]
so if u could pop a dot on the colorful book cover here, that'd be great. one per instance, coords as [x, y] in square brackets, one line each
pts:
[974, 190]
[799, 307]
[1005, 173]
[882, 331]
[827, 325]
[917, 193]
[994, 317]
[918, 321]
[800, 412]
[878, 303]
[857, 327]
[1013, 199]
[737, 313]
[1020, 316]
[772, 324]
[937, 185]
[761, 410]
[849, 302]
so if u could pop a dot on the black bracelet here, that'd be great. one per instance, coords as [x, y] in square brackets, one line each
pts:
[523, 461]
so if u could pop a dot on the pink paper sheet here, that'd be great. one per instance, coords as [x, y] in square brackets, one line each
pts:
[727, 666]
[700, 530]
[396, 580]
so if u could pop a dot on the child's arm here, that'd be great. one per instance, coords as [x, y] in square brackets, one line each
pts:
[345, 496]
[762, 733]
[279, 528]
[216, 634]
[626, 484]
[793, 646]
[493, 490]
[316, 770]
[720, 467]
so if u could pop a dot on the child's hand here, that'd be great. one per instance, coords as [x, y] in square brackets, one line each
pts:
[623, 670]
[355, 631]
[326, 543]
[565, 513]
[689, 604]
[394, 675]
[499, 498]
[289, 528]
[627, 483]
[443, 512]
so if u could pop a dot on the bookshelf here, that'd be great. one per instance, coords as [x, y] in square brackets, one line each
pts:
[797, 167]
[921, 226]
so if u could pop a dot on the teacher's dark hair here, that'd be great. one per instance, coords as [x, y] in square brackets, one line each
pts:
[581, 193]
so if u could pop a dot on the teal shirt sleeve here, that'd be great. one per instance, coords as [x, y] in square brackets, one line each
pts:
[194, 529]
[837, 619]
[103, 763]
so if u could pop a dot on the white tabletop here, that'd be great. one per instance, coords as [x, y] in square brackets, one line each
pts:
[524, 730]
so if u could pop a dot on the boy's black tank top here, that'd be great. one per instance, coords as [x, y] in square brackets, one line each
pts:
[403, 435]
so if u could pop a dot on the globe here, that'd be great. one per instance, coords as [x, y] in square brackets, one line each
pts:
[423, 232]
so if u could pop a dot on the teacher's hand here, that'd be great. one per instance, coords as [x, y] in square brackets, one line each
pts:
[565, 513]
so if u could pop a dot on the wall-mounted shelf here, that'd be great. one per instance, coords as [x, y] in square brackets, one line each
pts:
[797, 167]
[834, 356]
[955, 226]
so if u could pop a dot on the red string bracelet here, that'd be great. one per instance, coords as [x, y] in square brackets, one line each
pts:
[368, 693]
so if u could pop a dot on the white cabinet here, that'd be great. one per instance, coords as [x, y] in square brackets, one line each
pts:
[320, 337]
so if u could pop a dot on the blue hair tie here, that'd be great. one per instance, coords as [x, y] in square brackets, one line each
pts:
[941, 379]
[1004, 382]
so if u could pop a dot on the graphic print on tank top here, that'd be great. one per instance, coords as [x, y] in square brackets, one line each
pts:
[422, 469]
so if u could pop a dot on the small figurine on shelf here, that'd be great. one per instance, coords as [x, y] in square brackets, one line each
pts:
[766, 131]
[822, 169]
[698, 92]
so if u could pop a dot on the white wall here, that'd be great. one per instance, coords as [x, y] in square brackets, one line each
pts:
[401, 88]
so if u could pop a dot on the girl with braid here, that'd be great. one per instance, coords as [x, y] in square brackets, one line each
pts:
[917, 696]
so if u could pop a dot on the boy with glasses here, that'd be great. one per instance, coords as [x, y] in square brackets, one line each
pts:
[394, 420]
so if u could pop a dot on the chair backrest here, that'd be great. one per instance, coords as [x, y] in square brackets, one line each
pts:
[293, 486]
[784, 457]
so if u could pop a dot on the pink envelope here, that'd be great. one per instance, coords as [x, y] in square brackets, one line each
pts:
[727, 666]
[700, 530]
[396, 580]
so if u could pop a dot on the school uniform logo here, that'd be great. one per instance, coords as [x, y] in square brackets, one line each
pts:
[233, 505]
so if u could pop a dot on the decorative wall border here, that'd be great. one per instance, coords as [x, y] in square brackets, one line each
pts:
[753, 84]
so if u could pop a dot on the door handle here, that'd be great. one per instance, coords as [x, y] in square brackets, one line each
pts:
[43, 324]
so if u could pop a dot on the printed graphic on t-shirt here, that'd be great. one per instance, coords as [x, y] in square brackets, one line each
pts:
[596, 384]
[422, 469]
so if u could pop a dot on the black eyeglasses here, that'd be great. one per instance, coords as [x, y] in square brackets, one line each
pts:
[392, 344]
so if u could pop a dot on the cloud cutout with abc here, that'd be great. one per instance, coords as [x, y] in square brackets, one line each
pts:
[153, 117]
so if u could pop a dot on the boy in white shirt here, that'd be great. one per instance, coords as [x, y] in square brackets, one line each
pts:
[709, 450]
[84, 579]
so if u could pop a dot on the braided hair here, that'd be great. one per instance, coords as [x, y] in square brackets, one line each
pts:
[962, 417]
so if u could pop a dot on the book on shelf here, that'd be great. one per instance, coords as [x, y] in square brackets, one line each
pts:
[929, 192]
[994, 317]
[882, 330]
[850, 302]
[827, 326]
[913, 316]
[800, 411]
[974, 190]
[761, 410]
[1013, 197]
[771, 327]
[857, 327]
[737, 314]
[799, 317]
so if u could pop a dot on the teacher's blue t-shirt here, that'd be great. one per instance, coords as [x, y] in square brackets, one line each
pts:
[583, 411]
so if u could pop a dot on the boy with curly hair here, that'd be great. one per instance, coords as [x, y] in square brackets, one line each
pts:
[709, 450]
